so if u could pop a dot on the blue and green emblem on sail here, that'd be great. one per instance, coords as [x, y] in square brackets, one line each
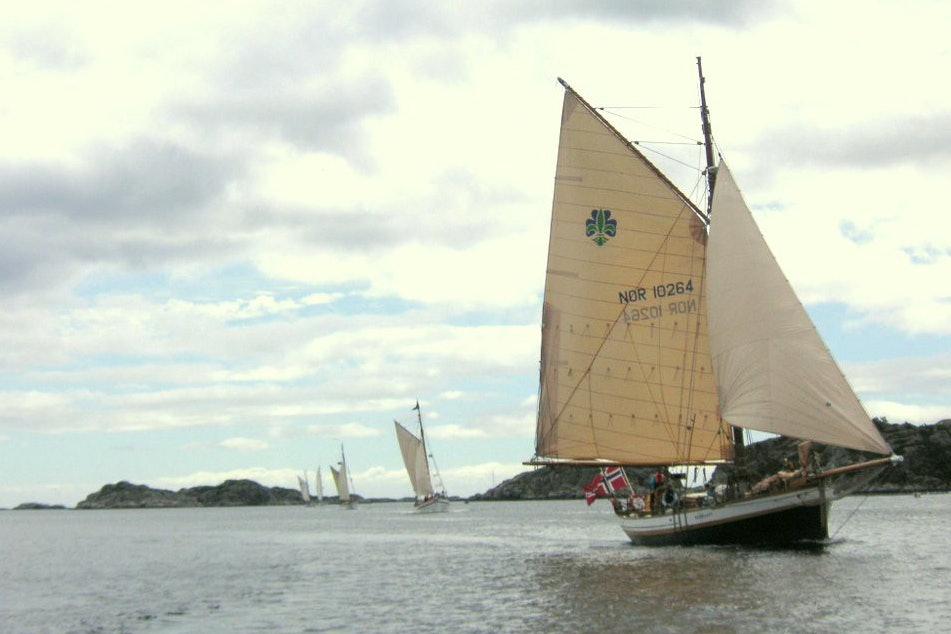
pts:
[600, 226]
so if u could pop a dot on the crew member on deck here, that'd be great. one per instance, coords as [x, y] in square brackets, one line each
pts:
[658, 480]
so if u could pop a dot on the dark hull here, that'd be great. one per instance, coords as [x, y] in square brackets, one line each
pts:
[783, 518]
[780, 527]
[799, 515]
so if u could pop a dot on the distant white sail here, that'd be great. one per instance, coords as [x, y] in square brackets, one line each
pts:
[427, 484]
[342, 480]
[320, 487]
[304, 492]
[414, 457]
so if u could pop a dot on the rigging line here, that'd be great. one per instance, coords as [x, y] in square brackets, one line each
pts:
[594, 436]
[687, 387]
[666, 156]
[624, 140]
[606, 108]
[718, 440]
[686, 392]
[673, 436]
[649, 125]
[673, 431]
[659, 403]
[700, 321]
[546, 405]
[642, 141]
[685, 443]
[541, 438]
[851, 515]
[865, 499]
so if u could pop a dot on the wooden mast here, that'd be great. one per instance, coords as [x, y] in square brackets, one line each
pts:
[422, 438]
[739, 448]
[707, 139]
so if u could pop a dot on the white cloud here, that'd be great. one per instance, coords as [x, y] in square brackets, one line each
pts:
[286, 478]
[243, 444]
[346, 430]
[442, 432]
[897, 413]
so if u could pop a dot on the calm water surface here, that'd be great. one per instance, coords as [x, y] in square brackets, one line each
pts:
[488, 567]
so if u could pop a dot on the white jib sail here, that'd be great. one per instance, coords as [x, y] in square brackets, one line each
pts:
[773, 371]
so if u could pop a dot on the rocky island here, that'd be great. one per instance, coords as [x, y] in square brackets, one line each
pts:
[125, 495]
[926, 468]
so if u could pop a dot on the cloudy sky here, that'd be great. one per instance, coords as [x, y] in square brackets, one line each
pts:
[236, 235]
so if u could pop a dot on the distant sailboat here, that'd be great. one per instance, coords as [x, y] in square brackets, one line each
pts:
[429, 498]
[320, 487]
[343, 482]
[666, 331]
[304, 488]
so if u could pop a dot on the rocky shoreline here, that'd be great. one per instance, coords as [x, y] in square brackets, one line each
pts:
[926, 469]
[125, 495]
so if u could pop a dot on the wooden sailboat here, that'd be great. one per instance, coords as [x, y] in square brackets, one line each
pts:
[666, 331]
[304, 489]
[430, 497]
[344, 483]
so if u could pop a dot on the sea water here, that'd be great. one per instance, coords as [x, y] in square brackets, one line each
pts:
[483, 567]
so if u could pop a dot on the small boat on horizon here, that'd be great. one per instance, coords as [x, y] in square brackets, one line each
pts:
[304, 484]
[344, 483]
[304, 489]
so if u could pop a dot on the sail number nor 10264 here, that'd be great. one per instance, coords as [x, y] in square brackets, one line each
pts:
[660, 291]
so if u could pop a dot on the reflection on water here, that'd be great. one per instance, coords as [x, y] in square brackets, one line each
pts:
[490, 567]
[864, 581]
[672, 589]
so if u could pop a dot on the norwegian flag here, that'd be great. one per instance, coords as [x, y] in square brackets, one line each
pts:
[590, 496]
[615, 478]
[595, 488]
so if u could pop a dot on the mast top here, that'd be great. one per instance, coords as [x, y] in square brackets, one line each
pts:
[707, 138]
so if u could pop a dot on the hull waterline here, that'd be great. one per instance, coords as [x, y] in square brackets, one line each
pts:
[436, 505]
[779, 519]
